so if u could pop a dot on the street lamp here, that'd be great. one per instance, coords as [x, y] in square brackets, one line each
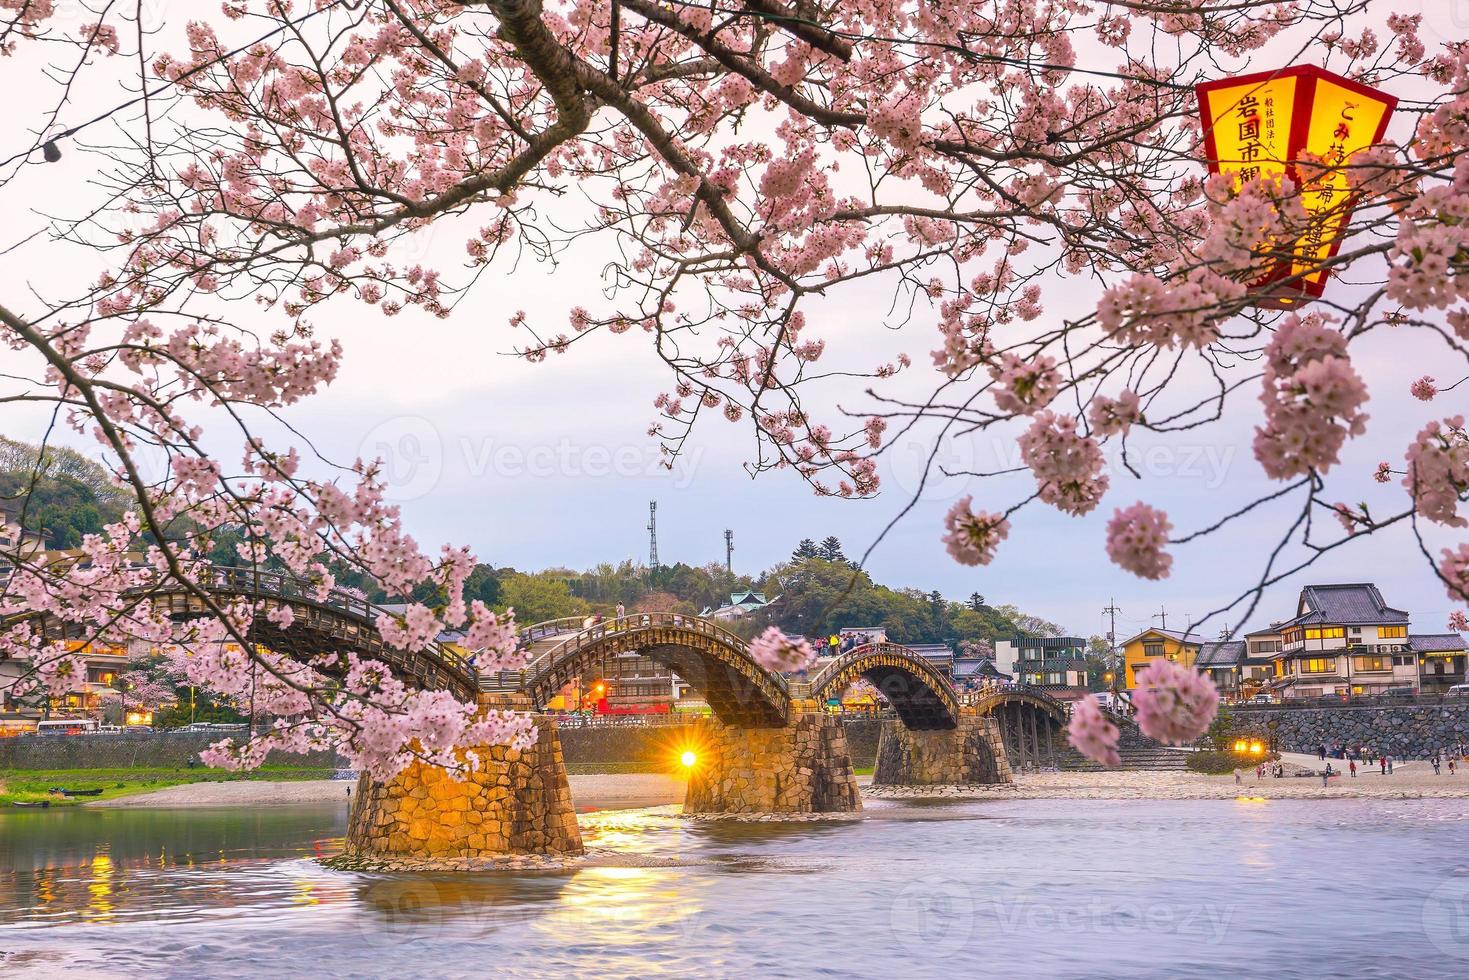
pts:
[1264, 125]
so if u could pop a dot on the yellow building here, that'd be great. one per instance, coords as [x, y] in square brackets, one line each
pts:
[1158, 644]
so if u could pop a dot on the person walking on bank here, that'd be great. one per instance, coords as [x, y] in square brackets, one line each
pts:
[621, 610]
[1326, 775]
[1389, 765]
[1382, 763]
[1321, 751]
[1352, 765]
[1451, 765]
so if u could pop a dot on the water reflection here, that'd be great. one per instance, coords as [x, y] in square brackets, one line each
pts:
[1050, 888]
[102, 865]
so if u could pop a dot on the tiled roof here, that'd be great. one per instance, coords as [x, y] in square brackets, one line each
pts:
[1047, 642]
[1351, 604]
[977, 668]
[1189, 637]
[1224, 653]
[1436, 642]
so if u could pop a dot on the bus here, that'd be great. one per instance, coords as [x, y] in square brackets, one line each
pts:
[67, 726]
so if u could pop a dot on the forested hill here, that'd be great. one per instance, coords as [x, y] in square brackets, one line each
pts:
[814, 593]
[58, 492]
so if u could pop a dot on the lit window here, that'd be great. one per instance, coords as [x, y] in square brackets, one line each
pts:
[1319, 665]
[1392, 632]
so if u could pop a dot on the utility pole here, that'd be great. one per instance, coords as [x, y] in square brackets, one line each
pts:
[1226, 633]
[729, 550]
[1162, 614]
[652, 536]
[1114, 662]
[1111, 612]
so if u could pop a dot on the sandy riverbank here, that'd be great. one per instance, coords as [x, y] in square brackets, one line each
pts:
[622, 791]
[599, 792]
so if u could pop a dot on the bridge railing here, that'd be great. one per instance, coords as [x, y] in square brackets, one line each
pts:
[551, 627]
[271, 584]
[637, 622]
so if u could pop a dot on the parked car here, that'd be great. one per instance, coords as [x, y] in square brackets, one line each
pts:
[1398, 692]
[1262, 698]
[1458, 691]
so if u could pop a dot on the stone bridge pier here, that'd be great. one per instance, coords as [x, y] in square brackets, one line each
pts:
[802, 767]
[515, 802]
[972, 752]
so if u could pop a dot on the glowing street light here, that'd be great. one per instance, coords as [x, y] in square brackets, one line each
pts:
[1262, 125]
[688, 759]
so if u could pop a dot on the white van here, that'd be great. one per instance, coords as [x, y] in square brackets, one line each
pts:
[1458, 691]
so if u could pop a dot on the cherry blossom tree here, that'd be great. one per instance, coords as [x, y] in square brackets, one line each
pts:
[742, 161]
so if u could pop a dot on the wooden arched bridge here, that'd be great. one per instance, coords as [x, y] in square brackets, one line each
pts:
[334, 621]
[713, 661]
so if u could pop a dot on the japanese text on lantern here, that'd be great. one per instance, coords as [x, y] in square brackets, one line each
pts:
[1325, 120]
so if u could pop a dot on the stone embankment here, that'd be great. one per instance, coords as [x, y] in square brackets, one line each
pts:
[518, 802]
[804, 767]
[1409, 731]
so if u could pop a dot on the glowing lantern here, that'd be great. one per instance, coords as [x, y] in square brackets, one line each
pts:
[1261, 125]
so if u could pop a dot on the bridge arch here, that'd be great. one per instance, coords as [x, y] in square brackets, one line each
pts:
[714, 661]
[922, 697]
[1031, 722]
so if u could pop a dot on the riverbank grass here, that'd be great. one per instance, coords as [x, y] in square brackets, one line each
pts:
[34, 786]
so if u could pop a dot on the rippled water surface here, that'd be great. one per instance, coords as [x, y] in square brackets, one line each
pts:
[1040, 888]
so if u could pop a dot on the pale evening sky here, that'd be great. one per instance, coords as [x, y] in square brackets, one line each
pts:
[540, 465]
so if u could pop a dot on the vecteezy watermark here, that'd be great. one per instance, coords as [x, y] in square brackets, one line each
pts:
[411, 453]
[1446, 20]
[395, 911]
[1446, 918]
[414, 457]
[564, 458]
[941, 915]
[933, 915]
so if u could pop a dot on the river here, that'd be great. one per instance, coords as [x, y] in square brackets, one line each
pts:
[1284, 889]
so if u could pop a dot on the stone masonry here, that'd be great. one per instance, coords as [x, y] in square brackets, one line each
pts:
[516, 802]
[972, 753]
[1409, 731]
[802, 768]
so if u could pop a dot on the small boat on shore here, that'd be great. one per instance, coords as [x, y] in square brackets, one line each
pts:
[30, 803]
[76, 792]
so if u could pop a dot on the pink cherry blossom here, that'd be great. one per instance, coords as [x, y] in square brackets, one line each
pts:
[1438, 471]
[1423, 389]
[971, 538]
[1092, 733]
[1175, 705]
[774, 650]
[1067, 465]
[1458, 622]
[1136, 537]
[1312, 399]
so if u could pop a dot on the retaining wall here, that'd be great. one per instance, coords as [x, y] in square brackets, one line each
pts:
[128, 750]
[1410, 731]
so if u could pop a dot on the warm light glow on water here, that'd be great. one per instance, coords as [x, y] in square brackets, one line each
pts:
[1001, 888]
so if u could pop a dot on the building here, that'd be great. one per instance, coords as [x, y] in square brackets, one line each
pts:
[1223, 661]
[1158, 644]
[1258, 669]
[1344, 640]
[1055, 663]
[740, 605]
[1441, 660]
[941, 655]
